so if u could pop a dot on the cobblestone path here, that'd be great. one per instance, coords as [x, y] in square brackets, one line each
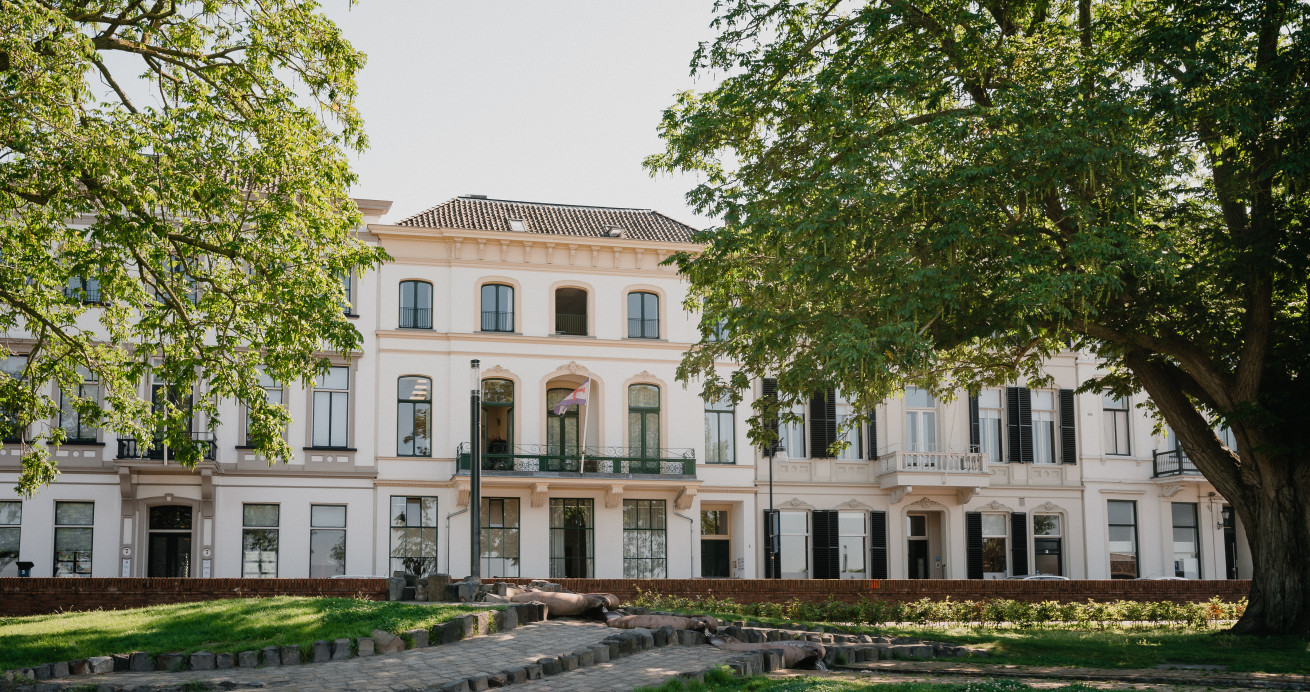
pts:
[650, 667]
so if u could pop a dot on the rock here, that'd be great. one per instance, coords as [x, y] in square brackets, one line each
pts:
[341, 649]
[586, 658]
[549, 666]
[79, 667]
[535, 671]
[222, 661]
[911, 652]
[322, 651]
[271, 656]
[661, 636]
[408, 593]
[478, 683]
[247, 659]
[418, 639]
[290, 655]
[364, 646]
[446, 633]
[463, 591]
[494, 598]
[437, 584]
[202, 660]
[468, 626]
[498, 680]
[387, 643]
[41, 672]
[141, 662]
[690, 638]
[514, 676]
[59, 670]
[645, 639]
[100, 664]
[395, 588]
[122, 662]
[568, 662]
[506, 619]
[600, 653]
[421, 589]
[542, 585]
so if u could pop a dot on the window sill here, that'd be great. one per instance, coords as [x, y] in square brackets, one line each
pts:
[78, 443]
[413, 456]
[351, 315]
[571, 336]
[645, 338]
[330, 449]
[409, 328]
[497, 331]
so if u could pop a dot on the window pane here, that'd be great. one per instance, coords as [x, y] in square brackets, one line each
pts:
[340, 413]
[795, 553]
[327, 516]
[794, 522]
[497, 391]
[994, 555]
[337, 377]
[429, 511]
[644, 396]
[11, 513]
[994, 525]
[327, 553]
[850, 523]
[415, 389]
[322, 419]
[75, 513]
[259, 515]
[1184, 514]
[852, 553]
[397, 511]
[1122, 512]
[1046, 524]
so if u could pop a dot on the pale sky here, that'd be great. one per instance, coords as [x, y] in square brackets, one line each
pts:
[540, 101]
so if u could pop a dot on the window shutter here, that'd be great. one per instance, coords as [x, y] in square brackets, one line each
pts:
[772, 547]
[769, 393]
[873, 434]
[1014, 441]
[1018, 543]
[973, 543]
[877, 545]
[827, 560]
[1068, 436]
[1019, 424]
[823, 423]
[975, 431]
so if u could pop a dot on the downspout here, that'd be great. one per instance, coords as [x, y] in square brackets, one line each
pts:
[691, 533]
[448, 516]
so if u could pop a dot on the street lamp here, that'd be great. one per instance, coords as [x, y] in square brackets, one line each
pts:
[774, 524]
[475, 472]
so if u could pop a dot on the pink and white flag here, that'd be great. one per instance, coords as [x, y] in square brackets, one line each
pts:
[577, 396]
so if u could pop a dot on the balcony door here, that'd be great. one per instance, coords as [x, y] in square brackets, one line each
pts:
[561, 429]
[169, 542]
[497, 423]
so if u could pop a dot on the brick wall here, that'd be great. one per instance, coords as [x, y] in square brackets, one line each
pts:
[850, 590]
[49, 595]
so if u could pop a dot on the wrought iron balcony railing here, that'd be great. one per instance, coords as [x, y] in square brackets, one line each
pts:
[131, 447]
[529, 459]
[575, 325]
[1172, 462]
[416, 318]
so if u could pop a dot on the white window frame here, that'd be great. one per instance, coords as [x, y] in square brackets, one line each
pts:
[1115, 424]
[920, 420]
[325, 400]
[1003, 537]
[1046, 432]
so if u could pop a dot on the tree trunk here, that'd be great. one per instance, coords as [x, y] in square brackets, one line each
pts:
[1276, 518]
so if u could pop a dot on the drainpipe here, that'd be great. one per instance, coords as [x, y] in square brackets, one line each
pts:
[448, 516]
[691, 533]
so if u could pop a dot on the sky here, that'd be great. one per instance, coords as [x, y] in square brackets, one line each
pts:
[540, 101]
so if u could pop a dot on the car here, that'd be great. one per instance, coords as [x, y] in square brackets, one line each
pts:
[1039, 577]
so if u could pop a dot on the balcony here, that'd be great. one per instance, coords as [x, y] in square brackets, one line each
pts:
[131, 448]
[416, 318]
[600, 462]
[1172, 462]
[942, 469]
[573, 325]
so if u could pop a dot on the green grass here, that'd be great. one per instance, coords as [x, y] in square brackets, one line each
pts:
[223, 626]
[1111, 647]
[721, 681]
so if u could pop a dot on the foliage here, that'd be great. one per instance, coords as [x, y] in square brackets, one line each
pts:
[829, 683]
[223, 626]
[174, 207]
[946, 193]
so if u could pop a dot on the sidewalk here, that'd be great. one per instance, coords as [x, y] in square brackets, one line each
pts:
[1152, 676]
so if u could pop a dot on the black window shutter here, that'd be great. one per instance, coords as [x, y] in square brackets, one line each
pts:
[769, 393]
[1068, 436]
[877, 545]
[975, 432]
[830, 428]
[1014, 440]
[1018, 543]
[1019, 424]
[873, 434]
[827, 559]
[823, 423]
[772, 548]
[973, 543]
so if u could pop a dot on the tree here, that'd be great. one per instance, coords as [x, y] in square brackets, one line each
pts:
[943, 193]
[173, 204]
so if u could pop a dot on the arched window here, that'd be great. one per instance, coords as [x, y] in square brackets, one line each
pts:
[415, 305]
[497, 423]
[497, 308]
[561, 430]
[414, 417]
[644, 421]
[643, 315]
[571, 311]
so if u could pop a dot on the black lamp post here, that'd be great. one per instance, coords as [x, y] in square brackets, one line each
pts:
[774, 539]
[475, 474]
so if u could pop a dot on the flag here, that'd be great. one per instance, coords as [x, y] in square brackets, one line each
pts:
[577, 396]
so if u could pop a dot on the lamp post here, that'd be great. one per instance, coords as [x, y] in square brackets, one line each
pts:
[774, 539]
[475, 473]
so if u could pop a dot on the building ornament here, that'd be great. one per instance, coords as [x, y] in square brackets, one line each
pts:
[797, 503]
[684, 498]
[613, 496]
[967, 494]
[573, 368]
[537, 498]
[495, 371]
[1170, 489]
[899, 492]
[854, 504]
[995, 506]
[1048, 507]
[926, 503]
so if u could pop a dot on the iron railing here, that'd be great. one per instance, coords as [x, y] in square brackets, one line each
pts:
[494, 321]
[132, 448]
[416, 318]
[1172, 462]
[529, 459]
[639, 328]
[575, 325]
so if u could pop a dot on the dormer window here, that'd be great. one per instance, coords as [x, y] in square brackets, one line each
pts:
[615, 231]
[517, 225]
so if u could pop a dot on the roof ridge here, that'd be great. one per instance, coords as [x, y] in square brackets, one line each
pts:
[552, 204]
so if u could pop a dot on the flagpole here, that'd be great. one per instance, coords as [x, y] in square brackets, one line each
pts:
[582, 443]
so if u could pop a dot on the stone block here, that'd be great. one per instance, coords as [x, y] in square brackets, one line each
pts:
[615, 646]
[645, 638]
[600, 653]
[341, 649]
[691, 638]
[696, 677]
[395, 588]
[418, 639]
[773, 636]
[202, 660]
[79, 667]
[437, 584]
[447, 632]
[497, 680]
[461, 685]
[586, 658]
[463, 591]
[41, 672]
[568, 662]
[365, 647]
[483, 622]
[59, 670]
[478, 683]
[141, 662]
[494, 598]
[247, 659]
[387, 643]
[549, 666]
[290, 655]
[542, 585]
[661, 636]
[514, 676]
[534, 671]
[222, 661]
[100, 664]
[506, 619]
[911, 652]
[270, 656]
[409, 593]
[322, 651]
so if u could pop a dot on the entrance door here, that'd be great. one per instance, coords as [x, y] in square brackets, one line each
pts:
[916, 534]
[715, 544]
[571, 538]
[1230, 542]
[169, 544]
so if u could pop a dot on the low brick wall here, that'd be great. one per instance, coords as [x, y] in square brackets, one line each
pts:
[48, 595]
[850, 590]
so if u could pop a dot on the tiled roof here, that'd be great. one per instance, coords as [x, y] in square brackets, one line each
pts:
[481, 214]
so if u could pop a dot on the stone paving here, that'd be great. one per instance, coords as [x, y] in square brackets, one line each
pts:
[651, 667]
[1182, 676]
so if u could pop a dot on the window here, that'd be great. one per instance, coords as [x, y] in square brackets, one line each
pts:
[1044, 440]
[327, 540]
[1123, 538]
[562, 429]
[643, 315]
[413, 534]
[989, 425]
[571, 311]
[791, 434]
[1227, 437]
[852, 543]
[500, 537]
[497, 308]
[718, 432]
[715, 544]
[272, 394]
[571, 536]
[414, 417]
[644, 421]
[259, 540]
[415, 305]
[497, 421]
[1048, 535]
[76, 429]
[645, 543]
[517, 225]
[995, 545]
[920, 420]
[347, 285]
[854, 450]
[332, 408]
[11, 428]
[1187, 541]
[1115, 425]
[794, 543]
[73, 538]
[84, 289]
[11, 527]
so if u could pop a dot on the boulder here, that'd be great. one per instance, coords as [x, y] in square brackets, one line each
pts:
[564, 604]
[387, 643]
[542, 585]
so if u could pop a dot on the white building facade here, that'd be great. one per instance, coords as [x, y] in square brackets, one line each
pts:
[645, 480]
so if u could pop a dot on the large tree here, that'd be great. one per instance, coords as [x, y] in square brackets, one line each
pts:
[944, 193]
[174, 205]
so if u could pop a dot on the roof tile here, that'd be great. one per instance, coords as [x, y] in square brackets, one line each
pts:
[480, 214]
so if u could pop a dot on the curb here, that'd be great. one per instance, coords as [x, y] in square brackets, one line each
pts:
[1106, 675]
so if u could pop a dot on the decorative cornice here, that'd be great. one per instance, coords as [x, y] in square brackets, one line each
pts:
[854, 504]
[995, 506]
[1048, 507]
[797, 503]
[927, 503]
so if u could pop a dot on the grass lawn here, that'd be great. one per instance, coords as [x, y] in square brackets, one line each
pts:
[1113, 647]
[223, 626]
[724, 682]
